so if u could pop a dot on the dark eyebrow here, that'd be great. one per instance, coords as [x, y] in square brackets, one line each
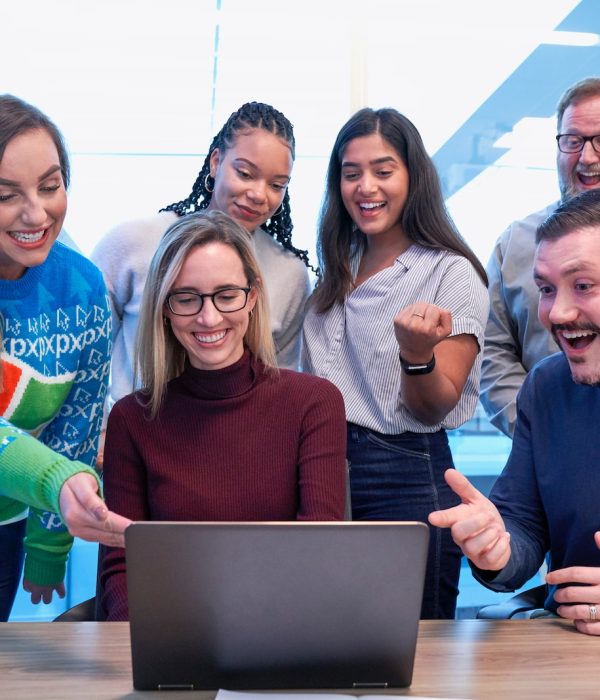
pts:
[12, 183]
[252, 165]
[377, 161]
[573, 270]
[51, 170]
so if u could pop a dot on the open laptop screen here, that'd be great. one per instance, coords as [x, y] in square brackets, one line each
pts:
[274, 605]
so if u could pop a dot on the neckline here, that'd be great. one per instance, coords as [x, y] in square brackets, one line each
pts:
[235, 380]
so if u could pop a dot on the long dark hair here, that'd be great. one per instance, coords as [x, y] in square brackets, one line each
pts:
[252, 115]
[424, 218]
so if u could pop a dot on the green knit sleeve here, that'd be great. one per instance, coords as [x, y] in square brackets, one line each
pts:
[32, 473]
[47, 545]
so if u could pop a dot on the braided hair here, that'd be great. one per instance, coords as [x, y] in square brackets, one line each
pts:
[252, 115]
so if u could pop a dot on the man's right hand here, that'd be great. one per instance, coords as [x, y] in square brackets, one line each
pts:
[475, 524]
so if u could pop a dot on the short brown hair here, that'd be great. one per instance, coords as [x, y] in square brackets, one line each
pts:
[581, 211]
[582, 90]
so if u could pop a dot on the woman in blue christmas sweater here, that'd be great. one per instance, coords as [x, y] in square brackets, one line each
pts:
[56, 328]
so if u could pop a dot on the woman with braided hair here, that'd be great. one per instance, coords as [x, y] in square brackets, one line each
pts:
[245, 174]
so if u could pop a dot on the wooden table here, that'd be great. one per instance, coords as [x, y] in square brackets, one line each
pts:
[486, 659]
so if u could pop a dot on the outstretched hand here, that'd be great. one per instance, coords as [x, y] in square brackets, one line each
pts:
[86, 515]
[475, 524]
[579, 602]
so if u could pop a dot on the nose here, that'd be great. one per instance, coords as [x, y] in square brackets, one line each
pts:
[209, 315]
[33, 214]
[367, 185]
[563, 309]
[588, 155]
[258, 192]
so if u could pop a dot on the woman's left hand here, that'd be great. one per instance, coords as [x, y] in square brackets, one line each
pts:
[43, 593]
[581, 602]
[419, 328]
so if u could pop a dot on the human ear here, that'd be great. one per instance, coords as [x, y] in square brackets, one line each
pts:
[214, 160]
[252, 299]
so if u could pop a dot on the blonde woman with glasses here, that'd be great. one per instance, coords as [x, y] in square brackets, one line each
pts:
[217, 431]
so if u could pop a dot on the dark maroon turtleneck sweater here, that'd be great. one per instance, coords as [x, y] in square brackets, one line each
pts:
[232, 444]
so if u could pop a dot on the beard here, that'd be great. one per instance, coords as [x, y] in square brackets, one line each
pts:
[579, 373]
[571, 187]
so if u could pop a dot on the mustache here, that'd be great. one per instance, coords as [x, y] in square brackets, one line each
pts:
[573, 327]
[589, 170]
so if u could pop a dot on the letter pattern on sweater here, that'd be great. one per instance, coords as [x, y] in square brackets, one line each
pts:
[56, 361]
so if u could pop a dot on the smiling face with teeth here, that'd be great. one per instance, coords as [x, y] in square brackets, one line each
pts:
[33, 202]
[567, 273]
[374, 188]
[578, 172]
[212, 339]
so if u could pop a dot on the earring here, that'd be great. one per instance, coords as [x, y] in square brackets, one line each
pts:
[206, 187]
[278, 212]
[165, 320]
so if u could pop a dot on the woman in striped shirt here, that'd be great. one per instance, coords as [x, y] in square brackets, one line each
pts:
[396, 322]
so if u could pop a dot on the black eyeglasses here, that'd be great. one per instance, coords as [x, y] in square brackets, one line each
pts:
[225, 300]
[574, 143]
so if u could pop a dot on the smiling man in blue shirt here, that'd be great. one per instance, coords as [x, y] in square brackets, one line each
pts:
[546, 499]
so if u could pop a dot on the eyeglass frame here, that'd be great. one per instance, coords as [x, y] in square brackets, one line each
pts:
[585, 139]
[211, 296]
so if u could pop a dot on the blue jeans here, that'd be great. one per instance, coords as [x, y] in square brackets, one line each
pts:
[401, 477]
[11, 564]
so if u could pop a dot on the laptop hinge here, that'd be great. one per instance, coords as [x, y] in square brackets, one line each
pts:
[358, 686]
[175, 686]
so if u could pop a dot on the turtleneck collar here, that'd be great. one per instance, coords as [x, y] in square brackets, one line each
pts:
[235, 380]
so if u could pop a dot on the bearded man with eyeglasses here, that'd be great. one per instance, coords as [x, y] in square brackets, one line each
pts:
[515, 339]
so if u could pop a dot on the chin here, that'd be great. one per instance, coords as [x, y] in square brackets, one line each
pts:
[585, 378]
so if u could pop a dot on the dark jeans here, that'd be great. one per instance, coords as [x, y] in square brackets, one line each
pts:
[11, 564]
[401, 477]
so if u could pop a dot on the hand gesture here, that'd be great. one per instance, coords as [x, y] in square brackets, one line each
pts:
[476, 525]
[419, 328]
[43, 593]
[580, 603]
[86, 515]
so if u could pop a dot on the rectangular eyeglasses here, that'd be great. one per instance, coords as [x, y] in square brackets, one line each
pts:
[225, 300]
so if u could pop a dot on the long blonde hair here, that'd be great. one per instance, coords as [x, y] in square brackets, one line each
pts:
[160, 357]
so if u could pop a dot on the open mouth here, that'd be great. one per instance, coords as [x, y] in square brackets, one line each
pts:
[370, 207]
[28, 237]
[209, 338]
[589, 179]
[578, 340]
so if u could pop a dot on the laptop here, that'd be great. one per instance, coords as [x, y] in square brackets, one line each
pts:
[274, 605]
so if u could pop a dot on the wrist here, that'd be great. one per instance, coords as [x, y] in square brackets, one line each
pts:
[412, 368]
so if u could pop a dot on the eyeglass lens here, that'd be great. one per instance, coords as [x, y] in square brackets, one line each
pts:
[574, 143]
[225, 300]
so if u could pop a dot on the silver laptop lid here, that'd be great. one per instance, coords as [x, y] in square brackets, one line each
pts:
[274, 605]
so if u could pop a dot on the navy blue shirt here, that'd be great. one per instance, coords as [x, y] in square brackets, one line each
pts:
[548, 492]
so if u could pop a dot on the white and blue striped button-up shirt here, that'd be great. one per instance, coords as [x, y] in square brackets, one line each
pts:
[354, 346]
